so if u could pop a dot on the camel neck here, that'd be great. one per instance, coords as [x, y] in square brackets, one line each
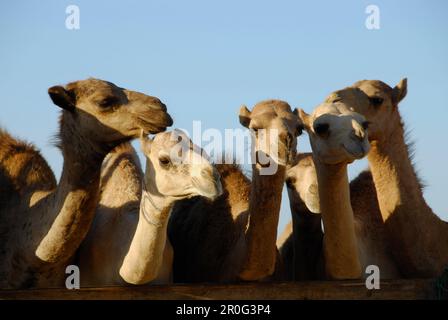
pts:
[154, 207]
[70, 209]
[261, 233]
[410, 222]
[82, 155]
[144, 258]
[394, 176]
[340, 247]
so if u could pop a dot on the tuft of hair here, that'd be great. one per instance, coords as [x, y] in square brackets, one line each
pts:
[410, 146]
[226, 169]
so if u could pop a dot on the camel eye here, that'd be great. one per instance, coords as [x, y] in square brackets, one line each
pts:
[108, 102]
[299, 130]
[321, 128]
[290, 183]
[366, 125]
[376, 101]
[164, 161]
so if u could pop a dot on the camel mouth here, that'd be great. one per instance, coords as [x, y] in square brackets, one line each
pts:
[357, 154]
[209, 189]
[153, 128]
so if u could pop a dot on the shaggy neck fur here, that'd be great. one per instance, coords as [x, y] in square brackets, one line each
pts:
[410, 222]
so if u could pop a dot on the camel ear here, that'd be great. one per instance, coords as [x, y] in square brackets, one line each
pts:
[145, 143]
[244, 116]
[306, 118]
[62, 98]
[400, 91]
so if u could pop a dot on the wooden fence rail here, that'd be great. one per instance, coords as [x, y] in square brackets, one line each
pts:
[390, 289]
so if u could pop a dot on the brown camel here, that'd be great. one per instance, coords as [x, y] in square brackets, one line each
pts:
[127, 242]
[233, 238]
[418, 237]
[42, 224]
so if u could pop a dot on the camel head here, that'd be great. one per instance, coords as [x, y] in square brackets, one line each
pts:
[276, 129]
[301, 181]
[108, 114]
[382, 108]
[178, 169]
[337, 134]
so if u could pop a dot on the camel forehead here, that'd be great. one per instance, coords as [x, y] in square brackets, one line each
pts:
[169, 139]
[92, 86]
[373, 87]
[351, 96]
[336, 112]
[335, 108]
[271, 107]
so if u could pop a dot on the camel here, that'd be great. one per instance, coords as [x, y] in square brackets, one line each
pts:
[42, 224]
[233, 238]
[418, 238]
[301, 243]
[127, 242]
[338, 137]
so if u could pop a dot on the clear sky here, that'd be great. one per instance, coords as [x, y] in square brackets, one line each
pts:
[206, 58]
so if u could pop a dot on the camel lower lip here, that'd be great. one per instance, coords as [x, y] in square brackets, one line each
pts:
[356, 155]
[154, 130]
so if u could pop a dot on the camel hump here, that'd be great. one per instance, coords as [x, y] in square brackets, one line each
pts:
[22, 168]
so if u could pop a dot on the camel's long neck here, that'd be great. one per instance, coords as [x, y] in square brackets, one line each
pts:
[394, 175]
[144, 258]
[70, 209]
[340, 247]
[413, 228]
[261, 234]
[307, 236]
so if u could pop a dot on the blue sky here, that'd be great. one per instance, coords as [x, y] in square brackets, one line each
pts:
[206, 58]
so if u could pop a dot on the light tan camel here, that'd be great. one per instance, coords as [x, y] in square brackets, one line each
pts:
[128, 244]
[418, 237]
[233, 238]
[42, 225]
[338, 137]
[301, 249]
